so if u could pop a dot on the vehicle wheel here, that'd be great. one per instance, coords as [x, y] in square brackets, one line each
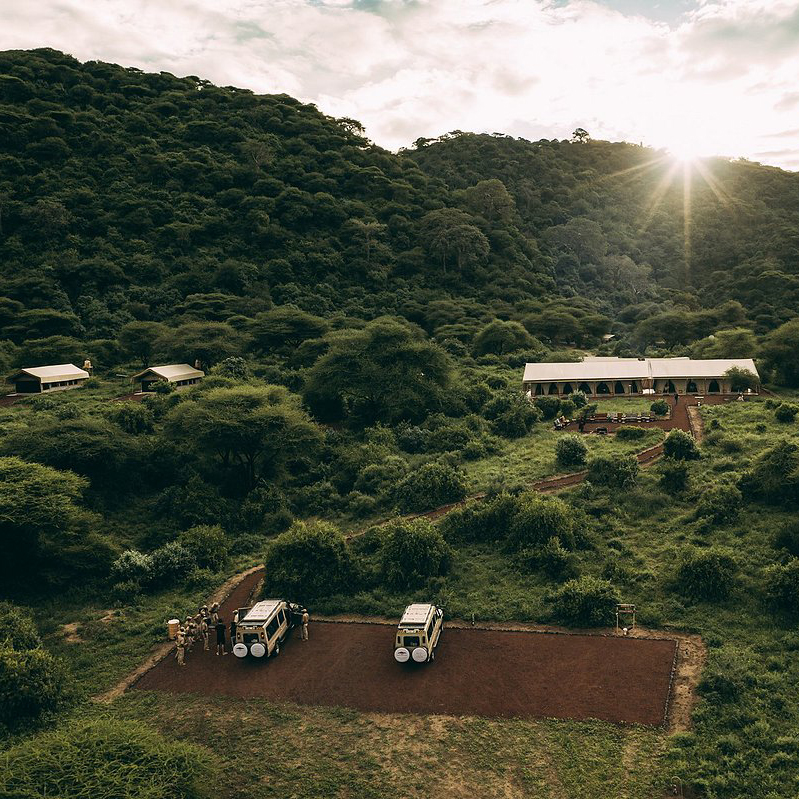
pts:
[276, 650]
[432, 654]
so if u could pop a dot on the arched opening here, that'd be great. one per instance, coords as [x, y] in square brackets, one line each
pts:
[668, 388]
[618, 388]
[553, 388]
[585, 388]
[538, 390]
[633, 387]
[602, 388]
[567, 388]
[691, 387]
[713, 388]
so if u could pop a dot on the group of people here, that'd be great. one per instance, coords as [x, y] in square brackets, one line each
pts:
[199, 628]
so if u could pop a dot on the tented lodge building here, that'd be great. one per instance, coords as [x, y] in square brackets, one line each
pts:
[604, 376]
[44, 379]
[180, 375]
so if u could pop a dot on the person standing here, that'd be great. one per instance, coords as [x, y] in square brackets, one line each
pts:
[676, 397]
[220, 634]
[234, 622]
[203, 627]
[180, 647]
[215, 613]
[305, 620]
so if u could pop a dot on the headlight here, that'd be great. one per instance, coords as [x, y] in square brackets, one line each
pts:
[401, 655]
[420, 654]
[258, 650]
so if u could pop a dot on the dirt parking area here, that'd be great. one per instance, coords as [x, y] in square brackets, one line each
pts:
[477, 672]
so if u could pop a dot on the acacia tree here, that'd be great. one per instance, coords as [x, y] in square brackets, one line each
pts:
[258, 430]
[137, 340]
[285, 327]
[451, 234]
[385, 372]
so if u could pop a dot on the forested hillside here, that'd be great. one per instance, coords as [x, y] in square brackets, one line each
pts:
[132, 197]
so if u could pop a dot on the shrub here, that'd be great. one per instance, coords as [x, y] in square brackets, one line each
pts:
[233, 367]
[567, 408]
[782, 585]
[32, 683]
[537, 519]
[571, 452]
[448, 439]
[548, 405]
[361, 505]
[631, 433]
[579, 399]
[788, 538]
[552, 558]
[132, 417]
[786, 412]
[673, 476]
[585, 602]
[431, 486]
[659, 407]
[171, 563]
[680, 446]
[489, 520]
[619, 471]
[412, 552]
[413, 439]
[125, 592]
[512, 413]
[105, 758]
[209, 545]
[310, 561]
[775, 475]
[162, 387]
[719, 503]
[134, 566]
[706, 574]
[17, 628]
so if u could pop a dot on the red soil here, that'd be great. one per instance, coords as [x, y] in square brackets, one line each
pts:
[476, 672]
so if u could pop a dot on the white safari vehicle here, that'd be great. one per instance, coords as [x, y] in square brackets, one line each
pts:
[263, 627]
[418, 633]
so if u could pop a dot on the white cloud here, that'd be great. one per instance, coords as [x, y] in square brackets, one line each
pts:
[721, 80]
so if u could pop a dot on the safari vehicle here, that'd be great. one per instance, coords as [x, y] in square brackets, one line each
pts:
[262, 628]
[418, 633]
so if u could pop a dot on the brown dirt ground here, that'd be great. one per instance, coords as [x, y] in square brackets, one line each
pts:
[485, 672]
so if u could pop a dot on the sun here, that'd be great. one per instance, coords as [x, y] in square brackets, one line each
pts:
[685, 151]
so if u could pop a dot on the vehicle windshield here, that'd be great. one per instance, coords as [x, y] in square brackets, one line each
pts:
[411, 640]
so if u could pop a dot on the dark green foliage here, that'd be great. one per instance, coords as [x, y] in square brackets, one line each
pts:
[233, 367]
[659, 407]
[706, 574]
[17, 628]
[132, 566]
[133, 417]
[537, 519]
[309, 562]
[613, 471]
[489, 520]
[104, 758]
[788, 538]
[32, 683]
[673, 476]
[498, 338]
[719, 503]
[553, 559]
[774, 478]
[630, 433]
[511, 413]
[571, 452]
[680, 446]
[585, 602]
[741, 379]
[209, 546]
[412, 552]
[171, 564]
[786, 412]
[548, 405]
[430, 486]
[782, 585]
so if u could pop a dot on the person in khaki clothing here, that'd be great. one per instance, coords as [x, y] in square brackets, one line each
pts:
[305, 620]
[180, 647]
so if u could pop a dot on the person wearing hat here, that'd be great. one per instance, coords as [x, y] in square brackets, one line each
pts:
[305, 620]
[180, 647]
[202, 627]
[234, 623]
[214, 613]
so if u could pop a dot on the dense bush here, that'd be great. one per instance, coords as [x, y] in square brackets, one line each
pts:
[673, 476]
[489, 520]
[706, 574]
[209, 545]
[412, 552]
[782, 585]
[630, 433]
[788, 538]
[659, 407]
[380, 478]
[134, 566]
[571, 452]
[132, 417]
[511, 413]
[310, 561]
[680, 446]
[17, 628]
[32, 683]
[584, 602]
[430, 486]
[549, 405]
[105, 758]
[786, 412]
[552, 558]
[613, 471]
[539, 518]
[171, 563]
[774, 477]
[719, 503]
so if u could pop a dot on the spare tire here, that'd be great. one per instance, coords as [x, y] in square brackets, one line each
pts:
[258, 650]
[240, 650]
[419, 654]
[402, 655]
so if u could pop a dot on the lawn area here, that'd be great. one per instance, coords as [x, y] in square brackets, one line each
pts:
[267, 750]
[532, 457]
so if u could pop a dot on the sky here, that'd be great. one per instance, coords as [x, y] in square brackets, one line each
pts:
[697, 77]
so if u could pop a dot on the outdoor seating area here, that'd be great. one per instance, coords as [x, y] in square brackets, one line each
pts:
[608, 418]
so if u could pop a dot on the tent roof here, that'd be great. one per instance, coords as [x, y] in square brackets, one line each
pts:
[53, 374]
[605, 368]
[171, 373]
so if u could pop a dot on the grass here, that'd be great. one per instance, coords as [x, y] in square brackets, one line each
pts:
[524, 460]
[308, 752]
